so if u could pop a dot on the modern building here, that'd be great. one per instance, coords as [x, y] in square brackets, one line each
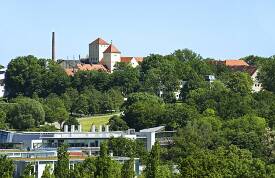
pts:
[40, 159]
[2, 84]
[40, 148]
[76, 139]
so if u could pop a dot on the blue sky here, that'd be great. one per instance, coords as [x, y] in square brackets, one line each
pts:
[221, 29]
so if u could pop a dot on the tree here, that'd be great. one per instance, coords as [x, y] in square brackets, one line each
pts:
[28, 171]
[24, 76]
[116, 98]
[55, 80]
[47, 173]
[264, 105]
[153, 162]
[266, 74]
[177, 115]
[6, 167]
[223, 162]
[83, 79]
[128, 169]
[105, 166]
[3, 124]
[117, 123]
[200, 134]
[143, 114]
[62, 166]
[85, 169]
[239, 82]
[186, 55]
[26, 113]
[247, 132]
[126, 78]
[55, 109]
[69, 98]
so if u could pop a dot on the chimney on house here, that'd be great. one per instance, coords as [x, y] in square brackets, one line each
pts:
[53, 46]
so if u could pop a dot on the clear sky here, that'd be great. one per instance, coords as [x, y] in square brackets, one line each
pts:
[221, 29]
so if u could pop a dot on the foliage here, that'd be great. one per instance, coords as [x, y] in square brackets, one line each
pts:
[105, 167]
[25, 113]
[153, 162]
[7, 167]
[62, 166]
[128, 169]
[127, 148]
[47, 173]
[223, 162]
[116, 123]
[28, 171]
[266, 75]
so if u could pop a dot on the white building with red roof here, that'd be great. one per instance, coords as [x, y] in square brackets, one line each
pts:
[108, 55]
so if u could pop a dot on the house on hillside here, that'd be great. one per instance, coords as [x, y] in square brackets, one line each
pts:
[242, 66]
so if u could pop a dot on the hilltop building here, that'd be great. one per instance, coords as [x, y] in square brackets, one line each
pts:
[242, 66]
[102, 57]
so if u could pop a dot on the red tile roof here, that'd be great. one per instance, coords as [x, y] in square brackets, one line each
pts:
[126, 59]
[100, 41]
[111, 49]
[98, 67]
[70, 71]
[248, 69]
[86, 67]
[235, 63]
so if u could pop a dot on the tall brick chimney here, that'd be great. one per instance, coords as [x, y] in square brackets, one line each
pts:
[53, 46]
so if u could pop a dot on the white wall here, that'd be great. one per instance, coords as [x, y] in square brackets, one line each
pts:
[257, 86]
[96, 52]
[134, 63]
[110, 59]
[2, 86]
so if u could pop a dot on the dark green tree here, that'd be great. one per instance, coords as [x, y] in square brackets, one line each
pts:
[128, 169]
[266, 74]
[105, 166]
[25, 113]
[7, 167]
[24, 76]
[47, 173]
[28, 171]
[62, 166]
[153, 162]
[126, 78]
[116, 123]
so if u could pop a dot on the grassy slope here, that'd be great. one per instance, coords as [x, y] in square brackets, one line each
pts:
[87, 122]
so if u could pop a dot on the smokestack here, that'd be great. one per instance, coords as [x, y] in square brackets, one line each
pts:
[53, 46]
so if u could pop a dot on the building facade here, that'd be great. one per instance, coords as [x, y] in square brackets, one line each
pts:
[2, 82]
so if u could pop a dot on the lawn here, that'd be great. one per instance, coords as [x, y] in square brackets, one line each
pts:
[87, 122]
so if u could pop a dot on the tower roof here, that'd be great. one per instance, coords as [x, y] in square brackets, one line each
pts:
[100, 41]
[111, 49]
